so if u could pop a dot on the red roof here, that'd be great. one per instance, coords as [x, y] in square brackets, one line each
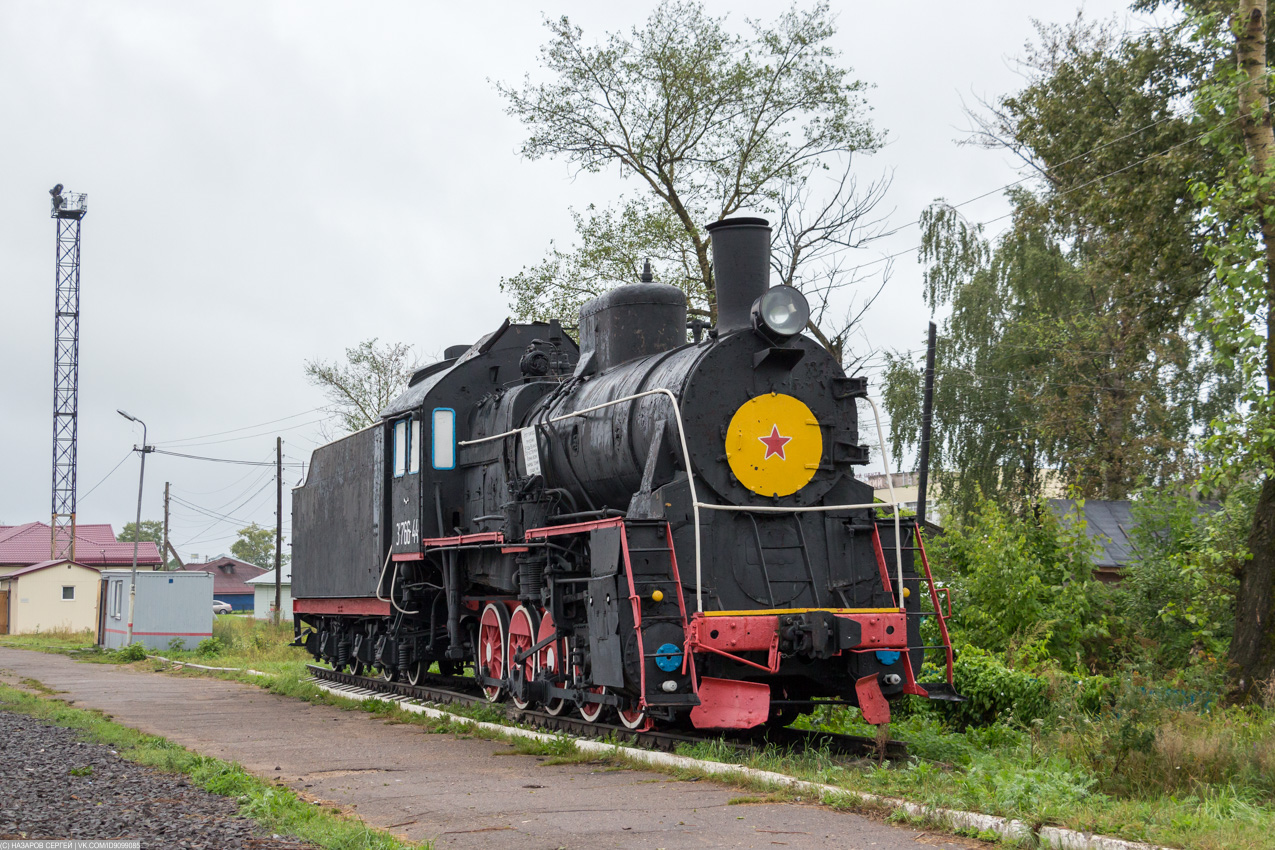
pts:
[95, 546]
[229, 575]
[43, 566]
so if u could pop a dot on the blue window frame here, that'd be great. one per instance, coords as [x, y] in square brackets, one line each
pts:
[443, 438]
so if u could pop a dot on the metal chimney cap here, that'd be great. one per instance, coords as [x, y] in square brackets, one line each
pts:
[738, 222]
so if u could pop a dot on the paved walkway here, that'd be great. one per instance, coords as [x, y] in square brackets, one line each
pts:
[461, 792]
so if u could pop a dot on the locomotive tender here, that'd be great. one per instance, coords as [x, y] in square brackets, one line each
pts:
[666, 529]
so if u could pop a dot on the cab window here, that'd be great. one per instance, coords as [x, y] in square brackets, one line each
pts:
[400, 448]
[414, 446]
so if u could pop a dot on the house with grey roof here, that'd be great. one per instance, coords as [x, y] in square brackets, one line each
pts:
[1109, 524]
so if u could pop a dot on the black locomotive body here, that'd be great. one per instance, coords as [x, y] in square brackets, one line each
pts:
[668, 529]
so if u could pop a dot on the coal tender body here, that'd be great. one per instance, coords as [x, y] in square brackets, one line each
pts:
[668, 530]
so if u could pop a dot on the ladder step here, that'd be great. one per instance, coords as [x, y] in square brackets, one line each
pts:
[672, 699]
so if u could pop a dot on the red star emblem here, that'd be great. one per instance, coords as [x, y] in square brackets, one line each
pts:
[775, 443]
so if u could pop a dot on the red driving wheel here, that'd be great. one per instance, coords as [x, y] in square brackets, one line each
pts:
[524, 625]
[493, 633]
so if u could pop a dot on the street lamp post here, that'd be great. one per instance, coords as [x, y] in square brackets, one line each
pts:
[137, 528]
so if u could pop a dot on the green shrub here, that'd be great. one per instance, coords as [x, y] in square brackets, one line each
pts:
[1179, 590]
[993, 692]
[1024, 587]
[208, 647]
[132, 652]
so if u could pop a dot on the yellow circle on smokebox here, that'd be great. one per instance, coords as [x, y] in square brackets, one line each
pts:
[774, 444]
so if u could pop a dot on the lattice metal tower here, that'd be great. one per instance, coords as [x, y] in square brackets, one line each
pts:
[69, 210]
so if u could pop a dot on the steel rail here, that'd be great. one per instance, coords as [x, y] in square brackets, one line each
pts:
[455, 690]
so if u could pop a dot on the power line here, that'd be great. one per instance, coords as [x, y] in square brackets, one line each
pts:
[234, 483]
[1059, 194]
[108, 475]
[263, 478]
[222, 518]
[1029, 381]
[245, 428]
[258, 478]
[189, 445]
[224, 459]
[1022, 180]
[217, 512]
[210, 513]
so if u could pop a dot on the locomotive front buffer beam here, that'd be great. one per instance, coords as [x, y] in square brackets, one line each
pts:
[803, 633]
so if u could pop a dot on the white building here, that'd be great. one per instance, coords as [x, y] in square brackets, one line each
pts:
[50, 596]
[263, 594]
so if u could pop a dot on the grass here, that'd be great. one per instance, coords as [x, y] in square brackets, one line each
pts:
[1168, 776]
[1136, 770]
[55, 640]
[275, 808]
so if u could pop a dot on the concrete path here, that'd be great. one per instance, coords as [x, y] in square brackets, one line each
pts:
[462, 793]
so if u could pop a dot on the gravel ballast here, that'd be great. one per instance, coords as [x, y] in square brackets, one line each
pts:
[59, 787]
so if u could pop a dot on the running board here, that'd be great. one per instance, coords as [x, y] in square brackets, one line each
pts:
[941, 691]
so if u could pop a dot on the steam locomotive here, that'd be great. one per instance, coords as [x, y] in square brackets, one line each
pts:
[664, 528]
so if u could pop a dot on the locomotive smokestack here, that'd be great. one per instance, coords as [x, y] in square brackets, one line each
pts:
[741, 268]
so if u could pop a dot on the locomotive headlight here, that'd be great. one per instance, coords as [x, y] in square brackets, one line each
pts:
[781, 312]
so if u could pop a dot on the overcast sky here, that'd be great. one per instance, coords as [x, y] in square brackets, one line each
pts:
[271, 182]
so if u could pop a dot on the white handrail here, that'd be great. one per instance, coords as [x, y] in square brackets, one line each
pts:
[889, 483]
[696, 504]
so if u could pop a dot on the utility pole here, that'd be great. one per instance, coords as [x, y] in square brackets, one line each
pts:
[278, 527]
[137, 527]
[927, 421]
[163, 553]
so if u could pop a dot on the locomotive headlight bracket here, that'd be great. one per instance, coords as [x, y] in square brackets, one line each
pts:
[780, 313]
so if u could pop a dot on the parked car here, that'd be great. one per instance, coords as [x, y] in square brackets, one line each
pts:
[220, 607]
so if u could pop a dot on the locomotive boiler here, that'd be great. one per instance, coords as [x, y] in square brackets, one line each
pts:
[665, 528]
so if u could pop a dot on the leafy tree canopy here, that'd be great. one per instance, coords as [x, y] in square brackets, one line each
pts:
[1078, 344]
[369, 379]
[1238, 202]
[152, 530]
[709, 123]
[256, 546]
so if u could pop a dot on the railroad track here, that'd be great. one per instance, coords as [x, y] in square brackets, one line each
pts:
[452, 690]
